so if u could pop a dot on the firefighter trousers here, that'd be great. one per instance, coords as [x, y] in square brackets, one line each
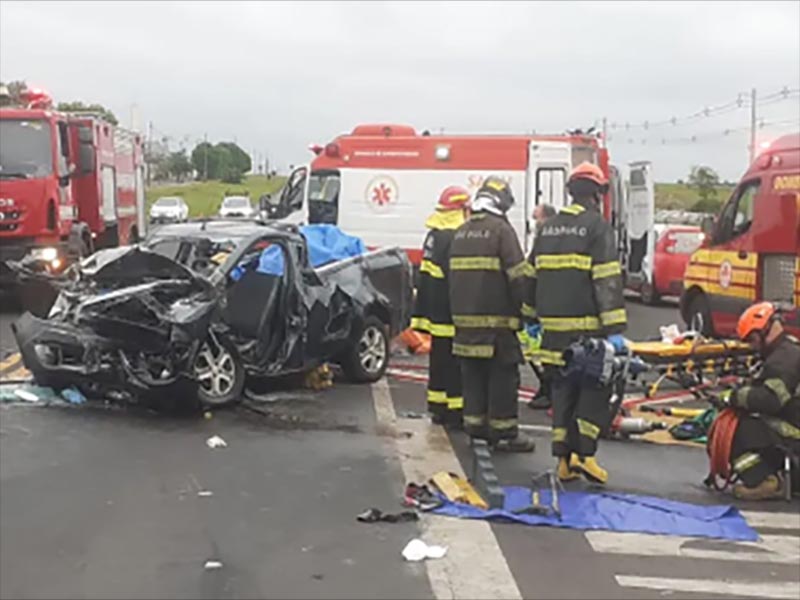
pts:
[580, 413]
[757, 451]
[444, 381]
[490, 398]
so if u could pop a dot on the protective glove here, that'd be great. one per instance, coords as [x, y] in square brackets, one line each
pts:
[618, 342]
[534, 329]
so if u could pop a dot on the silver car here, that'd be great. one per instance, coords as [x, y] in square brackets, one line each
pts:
[169, 209]
[237, 206]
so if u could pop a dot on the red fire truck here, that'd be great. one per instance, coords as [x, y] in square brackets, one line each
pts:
[69, 184]
[752, 250]
[379, 182]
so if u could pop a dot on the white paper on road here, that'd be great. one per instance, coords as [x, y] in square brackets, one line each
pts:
[216, 442]
[788, 590]
[417, 550]
[212, 565]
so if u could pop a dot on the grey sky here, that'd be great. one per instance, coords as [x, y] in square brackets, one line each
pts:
[280, 76]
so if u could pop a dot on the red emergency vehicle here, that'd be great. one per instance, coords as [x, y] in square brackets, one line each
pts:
[379, 182]
[752, 250]
[69, 184]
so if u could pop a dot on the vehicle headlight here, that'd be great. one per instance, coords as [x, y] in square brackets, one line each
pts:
[48, 254]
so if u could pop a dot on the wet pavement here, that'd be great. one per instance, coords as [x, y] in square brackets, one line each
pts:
[114, 503]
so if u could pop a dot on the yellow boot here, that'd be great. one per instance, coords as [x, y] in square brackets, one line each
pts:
[564, 472]
[587, 465]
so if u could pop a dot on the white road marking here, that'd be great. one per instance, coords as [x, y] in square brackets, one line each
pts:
[789, 590]
[424, 453]
[772, 520]
[779, 549]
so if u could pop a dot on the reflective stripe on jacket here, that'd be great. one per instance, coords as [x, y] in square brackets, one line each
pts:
[432, 305]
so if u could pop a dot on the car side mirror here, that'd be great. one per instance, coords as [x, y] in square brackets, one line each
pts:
[707, 226]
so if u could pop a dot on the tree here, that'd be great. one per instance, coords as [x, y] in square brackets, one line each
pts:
[224, 161]
[14, 89]
[178, 165]
[78, 106]
[705, 180]
[241, 159]
[707, 205]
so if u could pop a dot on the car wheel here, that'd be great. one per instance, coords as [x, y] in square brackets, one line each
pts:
[367, 359]
[649, 294]
[219, 373]
[698, 316]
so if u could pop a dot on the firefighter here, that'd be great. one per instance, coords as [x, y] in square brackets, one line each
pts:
[762, 439]
[577, 286]
[432, 308]
[488, 283]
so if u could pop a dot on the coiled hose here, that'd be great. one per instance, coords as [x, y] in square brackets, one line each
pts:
[720, 442]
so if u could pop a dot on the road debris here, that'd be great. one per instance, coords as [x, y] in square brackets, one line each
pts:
[73, 396]
[420, 497]
[216, 442]
[205, 493]
[417, 550]
[212, 565]
[374, 515]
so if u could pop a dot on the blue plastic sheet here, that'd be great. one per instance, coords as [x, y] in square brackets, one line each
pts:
[326, 244]
[617, 512]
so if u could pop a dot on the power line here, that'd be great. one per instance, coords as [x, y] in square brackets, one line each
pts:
[699, 137]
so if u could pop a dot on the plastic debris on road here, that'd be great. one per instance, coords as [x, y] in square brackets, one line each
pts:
[417, 550]
[205, 493]
[25, 392]
[216, 442]
[73, 396]
[374, 515]
[212, 565]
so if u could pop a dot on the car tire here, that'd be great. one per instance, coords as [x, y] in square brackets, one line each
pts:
[649, 294]
[219, 373]
[366, 360]
[698, 315]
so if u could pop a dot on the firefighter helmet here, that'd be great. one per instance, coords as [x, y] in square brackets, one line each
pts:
[498, 192]
[757, 318]
[587, 170]
[587, 180]
[453, 198]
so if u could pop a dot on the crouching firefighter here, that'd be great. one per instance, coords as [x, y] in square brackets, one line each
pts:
[488, 282]
[762, 422]
[432, 308]
[577, 286]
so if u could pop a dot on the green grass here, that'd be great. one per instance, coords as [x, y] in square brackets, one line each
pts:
[680, 196]
[204, 197]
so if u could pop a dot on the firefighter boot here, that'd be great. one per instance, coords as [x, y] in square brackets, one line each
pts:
[564, 472]
[521, 443]
[769, 489]
[588, 467]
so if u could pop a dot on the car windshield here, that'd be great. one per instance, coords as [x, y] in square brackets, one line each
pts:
[167, 202]
[25, 148]
[236, 202]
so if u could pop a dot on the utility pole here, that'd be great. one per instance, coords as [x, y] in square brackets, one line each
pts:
[205, 157]
[752, 125]
[605, 132]
[149, 158]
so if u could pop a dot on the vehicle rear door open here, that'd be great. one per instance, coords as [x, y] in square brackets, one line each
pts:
[639, 224]
[549, 164]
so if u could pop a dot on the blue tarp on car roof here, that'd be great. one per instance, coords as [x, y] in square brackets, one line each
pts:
[617, 512]
[326, 244]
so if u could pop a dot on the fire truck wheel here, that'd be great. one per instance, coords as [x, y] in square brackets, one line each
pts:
[698, 316]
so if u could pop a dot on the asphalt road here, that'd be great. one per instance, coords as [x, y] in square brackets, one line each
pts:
[114, 503]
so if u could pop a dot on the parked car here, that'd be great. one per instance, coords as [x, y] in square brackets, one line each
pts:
[236, 206]
[673, 248]
[193, 307]
[169, 209]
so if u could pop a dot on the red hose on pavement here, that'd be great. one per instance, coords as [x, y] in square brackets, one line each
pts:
[720, 442]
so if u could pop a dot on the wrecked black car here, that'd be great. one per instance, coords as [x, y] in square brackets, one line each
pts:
[208, 304]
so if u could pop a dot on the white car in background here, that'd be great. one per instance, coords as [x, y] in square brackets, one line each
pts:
[169, 209]
[237, 206]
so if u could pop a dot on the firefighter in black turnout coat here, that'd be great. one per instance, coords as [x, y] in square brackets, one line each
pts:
[432, 308]
[577, 286]
[488, 284]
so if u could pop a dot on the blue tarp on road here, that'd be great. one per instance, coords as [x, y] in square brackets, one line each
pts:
[617, 512]
[326, 244]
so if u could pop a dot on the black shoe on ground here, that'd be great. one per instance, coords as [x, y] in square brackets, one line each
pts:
[540, 403]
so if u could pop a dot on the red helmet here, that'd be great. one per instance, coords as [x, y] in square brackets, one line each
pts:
[758, 317]
[592, 172]
[453, 198]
